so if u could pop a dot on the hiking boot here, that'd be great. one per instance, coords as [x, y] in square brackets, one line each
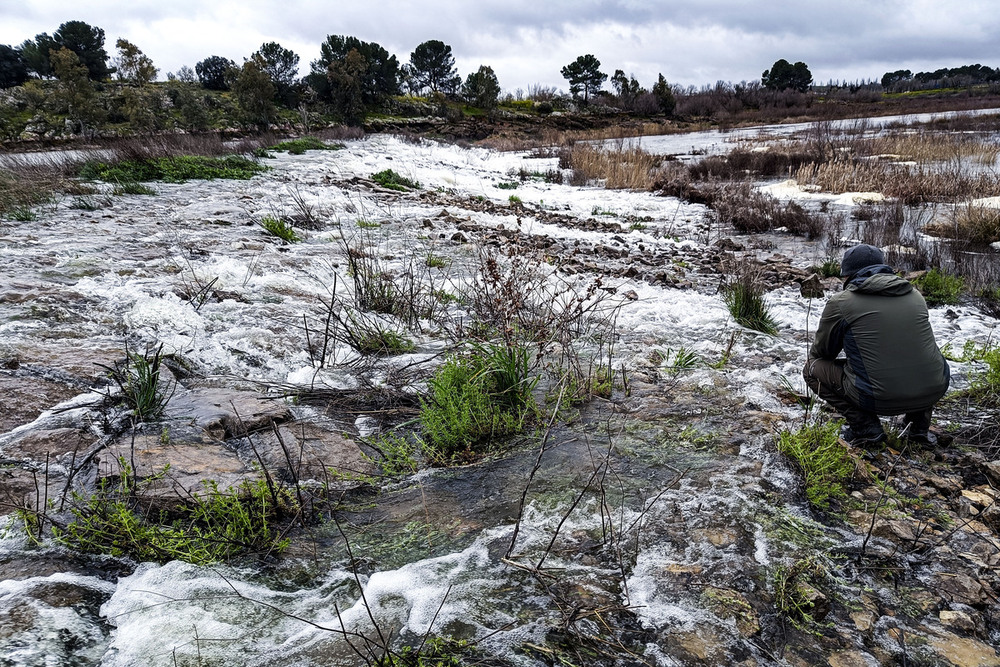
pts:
[925, 439]
[866, 436]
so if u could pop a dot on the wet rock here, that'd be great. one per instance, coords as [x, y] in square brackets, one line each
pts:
[811, 287]
[863, 620]
[729, 245]
[958, 620]
[813, 599]
[55, 443]
[226, 413]
[302, 452]
[852, 659]
[731, 604]
[175, 469]
[960, 587]
[992, 469]
[964, 652]
[459, 237]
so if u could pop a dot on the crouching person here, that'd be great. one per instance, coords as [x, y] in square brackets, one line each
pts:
[892, 364]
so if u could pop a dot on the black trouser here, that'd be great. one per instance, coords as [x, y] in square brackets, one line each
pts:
[826, 378]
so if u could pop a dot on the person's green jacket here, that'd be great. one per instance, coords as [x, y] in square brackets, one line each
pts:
[893, 362]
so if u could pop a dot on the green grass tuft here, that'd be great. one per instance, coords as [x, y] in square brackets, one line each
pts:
[824, 462]
[475, 398]
[747, 306]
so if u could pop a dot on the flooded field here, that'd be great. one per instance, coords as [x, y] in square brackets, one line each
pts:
[655, 525]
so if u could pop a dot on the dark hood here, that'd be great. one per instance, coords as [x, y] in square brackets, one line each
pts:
[878, 279]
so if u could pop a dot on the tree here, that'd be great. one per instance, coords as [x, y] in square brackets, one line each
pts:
[282, 66]
[133, 65]
[664, 96]
[584, 74]
[346, 77]
[75, 91]
[87, 42]
[186, 75]
[379, 80]
[784, 76]
[627, 88]
[36, 54]
[212, 72]
[13, 70]
[889, 79]
[481, 88]
[255, 93]
[432, 67]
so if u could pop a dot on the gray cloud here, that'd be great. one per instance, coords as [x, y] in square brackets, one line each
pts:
[528, 41]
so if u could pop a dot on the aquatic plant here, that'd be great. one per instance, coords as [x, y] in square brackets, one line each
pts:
[280, 228]
[131, 187]
[743, 294]
[823, 460]
[173, 169]
[208, 527]
[390, 179]
[303, 144]
[796, 597]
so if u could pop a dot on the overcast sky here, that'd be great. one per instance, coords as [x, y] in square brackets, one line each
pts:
[527, 42]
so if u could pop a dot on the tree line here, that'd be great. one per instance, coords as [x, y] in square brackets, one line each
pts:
[351, 78]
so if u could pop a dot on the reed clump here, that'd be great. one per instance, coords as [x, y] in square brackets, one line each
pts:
[978, 225]
[620, 168]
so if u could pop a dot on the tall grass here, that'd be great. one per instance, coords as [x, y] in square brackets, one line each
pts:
[620, 168]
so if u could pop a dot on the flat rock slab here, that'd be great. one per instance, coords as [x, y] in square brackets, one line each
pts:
[304, 451]
[174, 470]
[226, 413]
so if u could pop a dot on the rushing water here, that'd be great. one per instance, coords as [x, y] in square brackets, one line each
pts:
[692, 498]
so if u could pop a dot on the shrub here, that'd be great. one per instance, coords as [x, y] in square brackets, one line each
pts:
[939, 288]
[979, 225]
[824, 462]
[279, 228]
[475, 398]
[390, 179]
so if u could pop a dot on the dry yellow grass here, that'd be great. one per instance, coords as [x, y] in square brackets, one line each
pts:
[619, 167]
